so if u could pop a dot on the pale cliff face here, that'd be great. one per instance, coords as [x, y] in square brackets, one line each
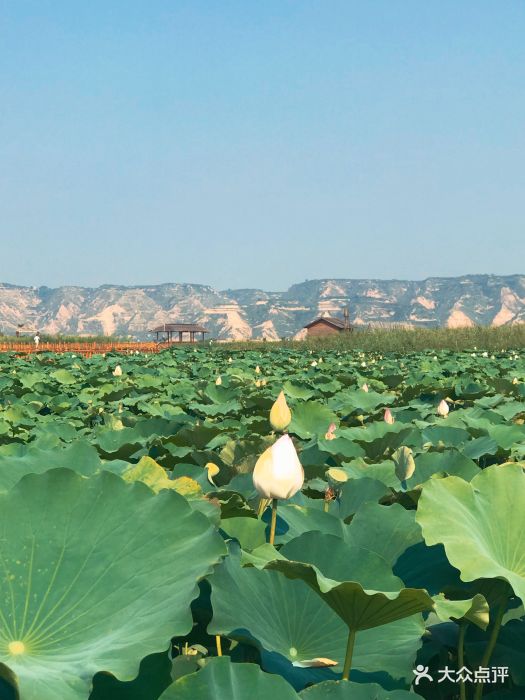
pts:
[251, 313]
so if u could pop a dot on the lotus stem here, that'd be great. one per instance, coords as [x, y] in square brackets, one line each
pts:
[219, 645]
[274, 520]
[348, 656]
[491, 644]
[461, 656]
[262, 507]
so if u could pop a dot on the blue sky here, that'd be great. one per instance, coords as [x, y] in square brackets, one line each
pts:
[258, 144]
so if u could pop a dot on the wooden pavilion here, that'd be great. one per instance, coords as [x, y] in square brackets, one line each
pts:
[168, 330]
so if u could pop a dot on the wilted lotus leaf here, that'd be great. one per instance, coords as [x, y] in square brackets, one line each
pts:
[88, 568]
[479, 523]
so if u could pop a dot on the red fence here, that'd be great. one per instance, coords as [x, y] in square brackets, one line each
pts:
[85, 349]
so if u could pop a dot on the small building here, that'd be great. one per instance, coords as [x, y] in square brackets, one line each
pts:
[328, 325]
[168, 330]
[23, 329]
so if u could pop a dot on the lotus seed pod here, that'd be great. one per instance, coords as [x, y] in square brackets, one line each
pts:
[278, 472]
[404, 463]
[388, 417]
[280, 415]
[443, 408]
[336, 474]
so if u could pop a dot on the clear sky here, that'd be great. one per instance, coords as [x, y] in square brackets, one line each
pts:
[259, 143]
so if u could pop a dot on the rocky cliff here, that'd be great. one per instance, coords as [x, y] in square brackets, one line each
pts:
[253, 313]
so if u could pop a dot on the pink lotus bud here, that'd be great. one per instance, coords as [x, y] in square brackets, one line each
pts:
[330, 434]
[388, 417]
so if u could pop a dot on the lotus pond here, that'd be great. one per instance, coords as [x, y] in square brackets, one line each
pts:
[135, 555]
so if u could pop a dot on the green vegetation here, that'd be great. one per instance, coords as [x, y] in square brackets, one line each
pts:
[402, 339]
[135, 556]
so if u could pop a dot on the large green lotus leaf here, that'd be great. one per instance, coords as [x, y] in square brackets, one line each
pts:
[250, 532]
[452, 437]
[506, 435]
[361, 589]
[311, 419]
[386, 530]
[347, 690]
[88, 567]
[289, 618]
[382, 471]
[355, 492]
[479, 523]
[301, 519]
[451, 462]
[359, 400]
[222, 680]
[79, 456]
[341, 446]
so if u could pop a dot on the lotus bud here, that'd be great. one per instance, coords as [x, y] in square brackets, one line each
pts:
[218, 381]
[320, 360]
[313, 364]
[280, 415]
[365, 387]
[230, 360]
[515, 380]
[388, 417]
[404, 463]
[278, 472]
[257, 370]
[117, 372]
[330, 433]
[443, 408]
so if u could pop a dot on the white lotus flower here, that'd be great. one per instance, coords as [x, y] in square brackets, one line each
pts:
[117, 372]
[443, 408]
[278, 472]
[313, 364]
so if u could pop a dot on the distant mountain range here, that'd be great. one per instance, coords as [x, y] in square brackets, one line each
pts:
[253, 313]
